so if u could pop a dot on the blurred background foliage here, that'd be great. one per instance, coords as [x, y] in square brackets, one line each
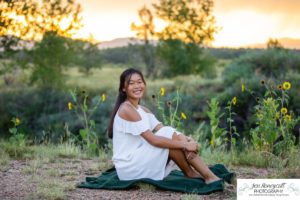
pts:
[40, 63]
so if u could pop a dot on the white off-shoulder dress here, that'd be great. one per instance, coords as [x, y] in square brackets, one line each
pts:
[133, 156]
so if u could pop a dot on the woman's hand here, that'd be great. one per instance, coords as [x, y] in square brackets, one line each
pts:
[191, 146]
[189, 139]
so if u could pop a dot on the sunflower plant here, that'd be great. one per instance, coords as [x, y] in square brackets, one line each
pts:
[274, 120]
[84, 109]
[18, 138]
[221, 137]
[232, 129]
[168, 109]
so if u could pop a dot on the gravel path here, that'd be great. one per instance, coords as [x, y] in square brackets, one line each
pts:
[23, 180]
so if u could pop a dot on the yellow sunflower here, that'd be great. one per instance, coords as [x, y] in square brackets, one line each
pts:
[162, 91]
[288, 117]
[234, 100]
[286, 85]
[103, 97]
[183, 116]
[70, 106]
[17, 121]
[284, 110]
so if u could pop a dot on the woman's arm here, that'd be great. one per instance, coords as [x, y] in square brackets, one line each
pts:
[163, 142]
[159, 126]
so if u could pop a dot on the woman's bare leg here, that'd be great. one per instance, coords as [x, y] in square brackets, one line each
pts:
[197, 163]
[179, 158]
[202, 168]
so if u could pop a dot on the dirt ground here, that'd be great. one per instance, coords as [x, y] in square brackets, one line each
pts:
[22, 179]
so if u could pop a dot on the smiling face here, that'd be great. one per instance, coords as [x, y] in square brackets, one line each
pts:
[134, 87]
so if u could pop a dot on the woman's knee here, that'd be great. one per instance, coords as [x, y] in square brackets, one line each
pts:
[175, 136]
[178, 136]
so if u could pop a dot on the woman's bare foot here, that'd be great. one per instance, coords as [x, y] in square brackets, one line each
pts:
[212, 179]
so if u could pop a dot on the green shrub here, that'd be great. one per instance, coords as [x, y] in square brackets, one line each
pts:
[270, 63]
[214, 115]
[45, 116]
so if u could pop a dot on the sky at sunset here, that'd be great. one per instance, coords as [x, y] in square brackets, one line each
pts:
[242, 22]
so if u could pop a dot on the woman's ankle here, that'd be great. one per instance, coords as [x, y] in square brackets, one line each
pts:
[213, 179]
[193, 174]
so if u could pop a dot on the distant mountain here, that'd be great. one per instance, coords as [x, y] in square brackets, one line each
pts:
[121, 42]
[291, 43]
[16, 44]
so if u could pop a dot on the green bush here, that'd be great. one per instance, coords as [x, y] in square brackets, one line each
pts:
[42, 112]
[270, 63]
[45, 116]
[250, 70]
[214, 116]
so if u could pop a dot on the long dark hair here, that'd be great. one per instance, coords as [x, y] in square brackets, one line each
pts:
[122, 96]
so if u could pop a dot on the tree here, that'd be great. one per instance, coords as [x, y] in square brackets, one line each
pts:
[190, 25]
[274, 44]
[47, 21]
[146, 31]
[49, 57]
[190, 21]
[179, 56]
[31, 19]
[89, 56]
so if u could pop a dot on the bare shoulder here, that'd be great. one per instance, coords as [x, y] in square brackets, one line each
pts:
[146, 109]
[128, 113]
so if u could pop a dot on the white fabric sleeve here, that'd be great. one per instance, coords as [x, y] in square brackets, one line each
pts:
[153, 121]
[135, 128]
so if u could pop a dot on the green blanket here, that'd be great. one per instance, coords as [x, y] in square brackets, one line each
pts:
[175, 181]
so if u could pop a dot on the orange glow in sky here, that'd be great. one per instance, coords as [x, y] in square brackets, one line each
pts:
[242, 22]
[248, 29]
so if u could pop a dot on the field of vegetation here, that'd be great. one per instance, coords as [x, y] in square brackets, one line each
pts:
[60, 135]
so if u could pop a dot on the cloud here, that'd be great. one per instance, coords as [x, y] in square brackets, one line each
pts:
[283, 15]
[288, 7]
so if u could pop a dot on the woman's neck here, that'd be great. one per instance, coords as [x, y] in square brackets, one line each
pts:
[134, 102]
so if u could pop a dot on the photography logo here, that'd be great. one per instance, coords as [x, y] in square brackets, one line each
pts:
[285, 189]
